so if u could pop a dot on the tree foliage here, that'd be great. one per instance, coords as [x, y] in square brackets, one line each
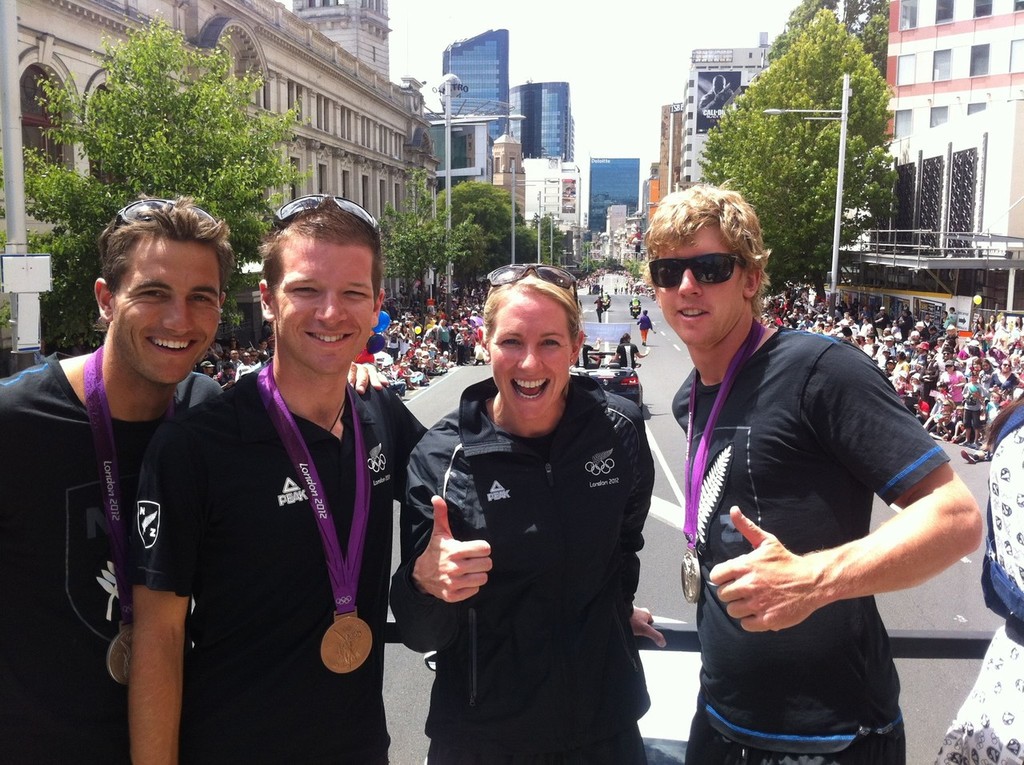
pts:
[786, 166]
[489, 208]
[867, 20]
[169, 120]
[416, 240]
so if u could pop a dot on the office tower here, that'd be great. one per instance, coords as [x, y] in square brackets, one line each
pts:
[481, 63]
[548, 129]
[612, 182]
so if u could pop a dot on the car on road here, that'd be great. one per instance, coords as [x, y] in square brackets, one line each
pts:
[623, 381]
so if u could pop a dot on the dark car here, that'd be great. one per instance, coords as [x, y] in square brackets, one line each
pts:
[622, 381]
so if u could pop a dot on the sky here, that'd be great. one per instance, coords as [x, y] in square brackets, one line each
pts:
[623, 61]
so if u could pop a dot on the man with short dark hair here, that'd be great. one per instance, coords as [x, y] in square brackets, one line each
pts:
[288, 565]
[74, 434]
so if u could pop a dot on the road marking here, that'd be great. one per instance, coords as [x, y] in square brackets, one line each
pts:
[661, 509]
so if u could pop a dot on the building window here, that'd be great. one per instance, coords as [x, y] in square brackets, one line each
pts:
[321, 178]
[976, 107]
[1018, 5]
[904, 123]
[939, 116]
[35, 117]
[943, 11]
[1017, 56]
[979, 60]
[908, 14]
[295, 169]
[982, 8]
[905, 69]
[940, 65]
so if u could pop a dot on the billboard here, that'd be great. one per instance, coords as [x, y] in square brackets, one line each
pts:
[715, 91]
[568, 196]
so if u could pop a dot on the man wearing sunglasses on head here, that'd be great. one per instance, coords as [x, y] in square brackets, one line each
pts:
[286, 567]
[74, 434]
[783, 456]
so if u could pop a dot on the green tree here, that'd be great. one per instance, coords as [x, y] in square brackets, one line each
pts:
[415, 240]
[867, 20]
[489, 208]
[169, 120]
[786, 166]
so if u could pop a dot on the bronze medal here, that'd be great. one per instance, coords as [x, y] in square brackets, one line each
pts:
[119, 654]
[346, 644]
[690, 573]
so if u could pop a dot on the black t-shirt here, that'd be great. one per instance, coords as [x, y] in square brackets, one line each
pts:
[237, 533]
[811, 430]
[58, 598]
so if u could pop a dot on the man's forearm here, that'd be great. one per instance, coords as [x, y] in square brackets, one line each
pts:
[155, 687]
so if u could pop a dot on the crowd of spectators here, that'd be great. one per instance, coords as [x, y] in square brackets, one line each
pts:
[954, 380]
[420, 343]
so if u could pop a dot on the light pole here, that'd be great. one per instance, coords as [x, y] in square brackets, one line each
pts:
[512, 162]
[449, 83]
[843, 117]
[538, 225]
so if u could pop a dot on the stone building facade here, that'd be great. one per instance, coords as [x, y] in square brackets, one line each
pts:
[361, 135]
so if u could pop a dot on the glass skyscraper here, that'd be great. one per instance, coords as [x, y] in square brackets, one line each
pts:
[548, 130]
[481, 63]
[612, 182]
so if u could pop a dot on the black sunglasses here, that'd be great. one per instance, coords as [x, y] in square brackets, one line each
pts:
[143, 210]
[711, 268]
[552, 274]
[290, 211]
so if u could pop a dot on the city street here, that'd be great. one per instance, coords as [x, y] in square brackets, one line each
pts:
[932, 689]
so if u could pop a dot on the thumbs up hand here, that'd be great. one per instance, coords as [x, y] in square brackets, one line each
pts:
[769, 588]
[450, 569]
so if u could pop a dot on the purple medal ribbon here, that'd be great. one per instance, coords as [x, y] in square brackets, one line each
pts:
[343, 570]
[102, 426]
[694, 470]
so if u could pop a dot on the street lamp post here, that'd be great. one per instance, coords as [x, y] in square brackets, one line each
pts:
[538, 225]
[843, 117]
[512, 162]
[449, 82]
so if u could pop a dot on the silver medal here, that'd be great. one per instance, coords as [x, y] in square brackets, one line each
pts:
[690, 574]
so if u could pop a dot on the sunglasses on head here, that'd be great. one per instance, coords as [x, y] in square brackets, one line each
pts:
[143, 209]
[551, 274]
[287, 213]
[711, 268]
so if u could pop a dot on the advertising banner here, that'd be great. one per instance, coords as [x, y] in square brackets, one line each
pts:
[715, 91]
[568, 196]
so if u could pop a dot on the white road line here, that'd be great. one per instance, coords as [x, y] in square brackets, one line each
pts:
[660, 508]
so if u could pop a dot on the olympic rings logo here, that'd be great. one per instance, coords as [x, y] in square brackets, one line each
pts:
[598, 468]
[377, 463]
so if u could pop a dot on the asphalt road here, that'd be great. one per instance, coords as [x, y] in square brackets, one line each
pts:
[932, 689]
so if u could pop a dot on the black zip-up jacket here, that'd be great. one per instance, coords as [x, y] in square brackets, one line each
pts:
[542, 659]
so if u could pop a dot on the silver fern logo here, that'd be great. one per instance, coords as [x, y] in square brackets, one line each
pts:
[601, 463]
[711, 491]
[377, 461]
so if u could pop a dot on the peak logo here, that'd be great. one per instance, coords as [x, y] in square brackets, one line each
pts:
[497, 492]
[291, 493]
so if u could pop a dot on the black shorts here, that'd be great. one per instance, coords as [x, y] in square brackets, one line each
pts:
[707, 745]
[972, 419]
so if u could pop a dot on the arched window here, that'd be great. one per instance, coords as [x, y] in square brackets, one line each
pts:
[34, 117]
